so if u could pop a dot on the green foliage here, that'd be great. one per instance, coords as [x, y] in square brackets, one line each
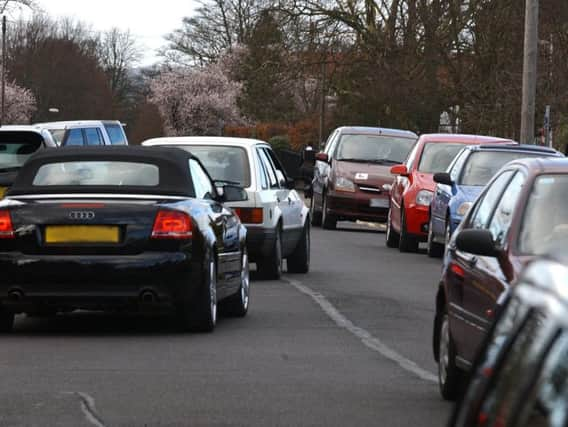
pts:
[280, 142]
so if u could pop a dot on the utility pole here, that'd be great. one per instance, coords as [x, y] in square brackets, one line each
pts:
[529, 72]
[322, 106]
[3, 94]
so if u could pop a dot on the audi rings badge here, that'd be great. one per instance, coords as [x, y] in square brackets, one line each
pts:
[81, 215]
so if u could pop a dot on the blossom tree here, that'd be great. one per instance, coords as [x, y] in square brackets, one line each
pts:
[20, 104]
[196, 101]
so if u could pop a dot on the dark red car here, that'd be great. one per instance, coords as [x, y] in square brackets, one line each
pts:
[521, 214]
[413, 188]
[351, 173]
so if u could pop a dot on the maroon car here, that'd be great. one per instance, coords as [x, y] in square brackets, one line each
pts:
[522, 213]
[352, 175]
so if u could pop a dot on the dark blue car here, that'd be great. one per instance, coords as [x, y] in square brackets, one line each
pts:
[465, 178]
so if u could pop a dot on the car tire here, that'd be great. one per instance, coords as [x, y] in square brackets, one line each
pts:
[450, 377]
[314, 214]
[270, 267]
[299, 261]
[448, 233]
[434, 250]
[406, 242]
[200, 314]
[6, 321]
[392, 237]
[329, 221]
[237, 305]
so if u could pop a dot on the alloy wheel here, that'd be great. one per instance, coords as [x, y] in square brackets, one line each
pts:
[444, 352]
[245, 281]
[213, 290]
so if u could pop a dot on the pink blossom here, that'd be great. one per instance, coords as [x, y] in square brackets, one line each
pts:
[196, 101]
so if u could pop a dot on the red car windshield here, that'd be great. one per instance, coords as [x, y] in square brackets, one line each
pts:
[437, 156]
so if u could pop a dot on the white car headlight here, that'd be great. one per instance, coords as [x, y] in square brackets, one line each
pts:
[424, 197]
[344, 184]
[464, 208]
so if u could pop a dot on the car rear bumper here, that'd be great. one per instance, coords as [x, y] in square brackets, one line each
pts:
[260, 242]
[357, 206]
[90, 281]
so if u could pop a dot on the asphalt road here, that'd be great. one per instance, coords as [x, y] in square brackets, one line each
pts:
[346, 345]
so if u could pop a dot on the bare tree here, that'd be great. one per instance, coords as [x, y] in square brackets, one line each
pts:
[119, 53]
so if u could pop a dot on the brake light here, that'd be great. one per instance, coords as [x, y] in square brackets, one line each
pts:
[6, 229]
[250, 215]
[172, 225]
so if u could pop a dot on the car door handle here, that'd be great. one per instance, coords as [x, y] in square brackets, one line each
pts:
[277, 199]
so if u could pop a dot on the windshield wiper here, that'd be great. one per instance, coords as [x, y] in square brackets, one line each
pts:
[383, 161]
[10, 169]
[348, 159]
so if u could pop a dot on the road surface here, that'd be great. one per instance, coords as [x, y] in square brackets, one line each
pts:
[348, 344]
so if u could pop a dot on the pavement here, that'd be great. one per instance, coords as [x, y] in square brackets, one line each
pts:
[348, 344]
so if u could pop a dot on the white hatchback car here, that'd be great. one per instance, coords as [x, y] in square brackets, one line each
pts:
[275, 216]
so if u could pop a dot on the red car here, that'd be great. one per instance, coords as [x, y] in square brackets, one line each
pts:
[413, 188]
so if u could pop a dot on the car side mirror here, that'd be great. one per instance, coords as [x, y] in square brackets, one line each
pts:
[443, 178]
[477, 242]
[232, 193]
[322, 157]
[399, 170]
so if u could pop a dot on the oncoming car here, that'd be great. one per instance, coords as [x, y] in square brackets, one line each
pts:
[127, 228]
[352, 172]
[413, 187]
[274, 214]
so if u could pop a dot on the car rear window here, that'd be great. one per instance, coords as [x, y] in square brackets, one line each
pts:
[373, 148]
[482, 165]
[116, 134]
[97, 173]
[437, 156]
[224, 163]
[15, 150]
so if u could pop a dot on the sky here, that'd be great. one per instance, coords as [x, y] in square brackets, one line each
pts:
[149, 21]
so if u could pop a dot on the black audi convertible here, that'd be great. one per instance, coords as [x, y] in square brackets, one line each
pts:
[121, 228]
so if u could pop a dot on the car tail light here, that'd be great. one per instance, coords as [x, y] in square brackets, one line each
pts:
[6, 229]
[172, 225]
[250, 215]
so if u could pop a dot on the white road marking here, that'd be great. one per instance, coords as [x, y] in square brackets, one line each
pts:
[366, 338]
[88, 407]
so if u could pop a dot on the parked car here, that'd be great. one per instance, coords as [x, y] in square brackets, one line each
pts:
[520, 377]
[351, 172]
[276, 217]
[121, 228]
[521, 214]
[86, 132]
[17, 144]
[465, 178]
[413, 187]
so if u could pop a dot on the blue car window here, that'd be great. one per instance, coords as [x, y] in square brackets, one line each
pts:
[484, 209]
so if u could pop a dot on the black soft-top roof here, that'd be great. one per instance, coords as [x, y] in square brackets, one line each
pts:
[173, 165]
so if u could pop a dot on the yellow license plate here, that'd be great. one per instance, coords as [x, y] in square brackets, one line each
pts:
[3, 191]
[81, 234]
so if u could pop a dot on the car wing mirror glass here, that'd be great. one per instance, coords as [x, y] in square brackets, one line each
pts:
[477, 242]
[443, 178]
[232, 193]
